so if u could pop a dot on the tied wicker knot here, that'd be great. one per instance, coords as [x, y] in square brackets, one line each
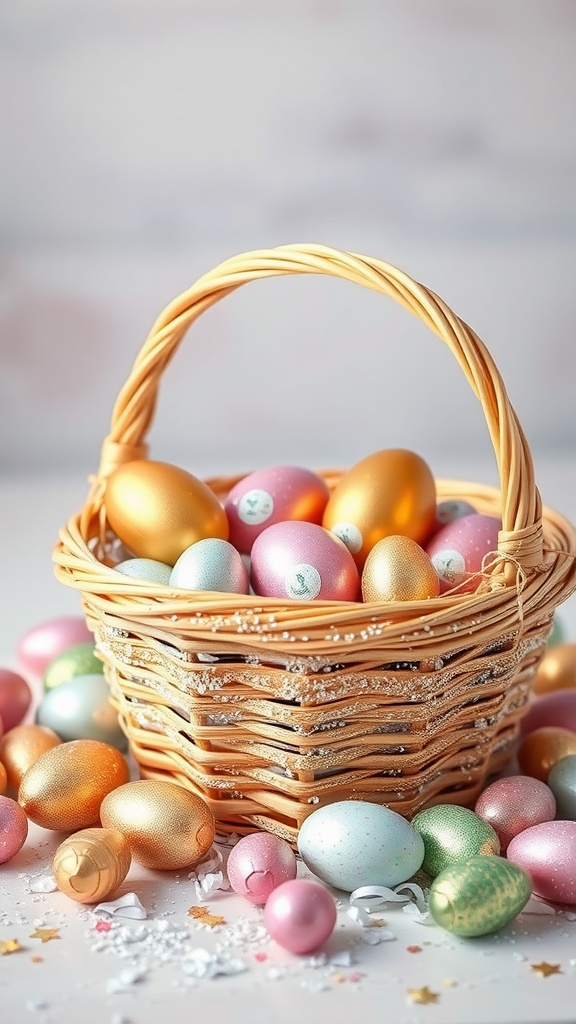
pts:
[114, 454]
[525, 546]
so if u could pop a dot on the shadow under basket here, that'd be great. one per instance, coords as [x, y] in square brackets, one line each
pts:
[270, 708]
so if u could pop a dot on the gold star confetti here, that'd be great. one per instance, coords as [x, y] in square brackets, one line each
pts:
[422, 995]
[10, 946]
[545, 970]
[204, 917]
[45, 934]
[376, 922]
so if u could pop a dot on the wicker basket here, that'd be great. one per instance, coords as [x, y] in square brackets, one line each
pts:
[269, 709]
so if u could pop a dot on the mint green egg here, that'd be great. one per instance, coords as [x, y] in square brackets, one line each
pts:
[452, 833]
[479, 895]
[79, 660]
[557, 633]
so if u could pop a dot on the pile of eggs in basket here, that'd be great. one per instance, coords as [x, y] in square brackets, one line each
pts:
[379, 535]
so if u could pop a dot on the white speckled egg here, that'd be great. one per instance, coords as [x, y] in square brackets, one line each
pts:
[211, 564]
[148, 569]
[353, 843]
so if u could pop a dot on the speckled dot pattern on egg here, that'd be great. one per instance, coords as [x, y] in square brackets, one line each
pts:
[479, 895]
[452, 833]
[548, 853]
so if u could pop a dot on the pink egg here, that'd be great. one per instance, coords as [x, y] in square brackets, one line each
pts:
[548, 853]
[258, 863]
[458, 548]
[270, 496]
[303, 561]
[515, 803]
[13, 828]
[300, 915]
[15, 698]
[41, 644]
[557, 708]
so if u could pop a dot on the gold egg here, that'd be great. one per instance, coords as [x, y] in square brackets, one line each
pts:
[390, 492]
[557, 670]
[64, 788]
[541, 749]
[159, 510]
[3, 779]
[21, 747]
[167, 826]
[398, 569]
[90, 865]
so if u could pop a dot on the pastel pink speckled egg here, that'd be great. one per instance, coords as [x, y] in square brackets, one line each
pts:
[13, 828]
[300, 915]
[44, 642]
[457, 550]
[303, 561]
[557, 709]
[258, 863]
[548, 853]
[273, 495]
[515, 803]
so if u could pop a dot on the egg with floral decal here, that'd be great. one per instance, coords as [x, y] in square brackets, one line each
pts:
[457, 550]
[303, 562]
[273, 495]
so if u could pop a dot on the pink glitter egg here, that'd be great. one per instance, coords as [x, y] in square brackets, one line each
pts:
[15, 698]
[548, 853]
[302, 562]
[557, 708]
[44, 642]
[13, 828]
[270, 496]
[258, 864]
[300, 915]
[458, 548]
[515, 803]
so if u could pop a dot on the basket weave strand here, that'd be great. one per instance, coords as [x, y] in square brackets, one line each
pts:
[268, 708]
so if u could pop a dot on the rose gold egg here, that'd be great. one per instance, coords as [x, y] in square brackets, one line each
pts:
[21, 747]
[389, 492]
[514, 803]
[541, 749]
[159, 510]
[557, 670]
[398, 569]
[64, 788]
[13, 828]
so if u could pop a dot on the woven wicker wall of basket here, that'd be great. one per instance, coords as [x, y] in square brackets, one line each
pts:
[270, 708]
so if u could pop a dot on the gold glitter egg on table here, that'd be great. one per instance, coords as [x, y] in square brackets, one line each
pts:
[64, 788]
[541, 749]
[167, 826]
[21, 747]
[158, 510]
[79, 660]
[557, 670]
[452, 833]
[90, 865]
[398, 569]
[389, 492]
[479, 895]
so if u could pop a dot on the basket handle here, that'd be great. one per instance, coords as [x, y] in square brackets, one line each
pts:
[521, 535]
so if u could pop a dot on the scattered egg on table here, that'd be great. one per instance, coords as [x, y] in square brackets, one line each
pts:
[15, 698]
[562, 782]
[148, 569]
[352, 843]
[548, 853]
[167, 826]
[13, 828]
[91, 864]
[211, 564]
[273, 495]
[45, 641]
[398, 569]
[513, 803]
[479, 895]
[81, 709]
[258, 863]
[21, 747]
[542, 748]
[557, 670]
[300, 915]
[79, 660]
[452, 833]
[302, 562]
[458, 549]
[64, 788]
[556, 709]
[158, 510]
[389, 492]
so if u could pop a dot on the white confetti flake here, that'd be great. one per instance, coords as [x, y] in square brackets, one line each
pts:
[208, 876]
[42, 883]
[36, 1004]
[125, 980]
[343, 959]
[200, 963]
[125, 906]
[374, 936]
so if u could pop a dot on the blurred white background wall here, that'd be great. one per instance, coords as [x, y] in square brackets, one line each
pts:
[144, 141]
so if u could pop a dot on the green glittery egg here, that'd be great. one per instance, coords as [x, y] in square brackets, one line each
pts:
[79, 660]
[451, 834]
[479, 895]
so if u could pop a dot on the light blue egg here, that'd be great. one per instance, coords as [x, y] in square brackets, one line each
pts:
[562, 782]
[146, 569]
[353, 843]
[81, 710]
[211, 564]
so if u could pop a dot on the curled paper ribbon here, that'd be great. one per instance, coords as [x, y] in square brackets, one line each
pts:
[375, 897]
[125, 906]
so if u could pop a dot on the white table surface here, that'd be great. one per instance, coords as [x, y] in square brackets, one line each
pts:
[487, 980]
